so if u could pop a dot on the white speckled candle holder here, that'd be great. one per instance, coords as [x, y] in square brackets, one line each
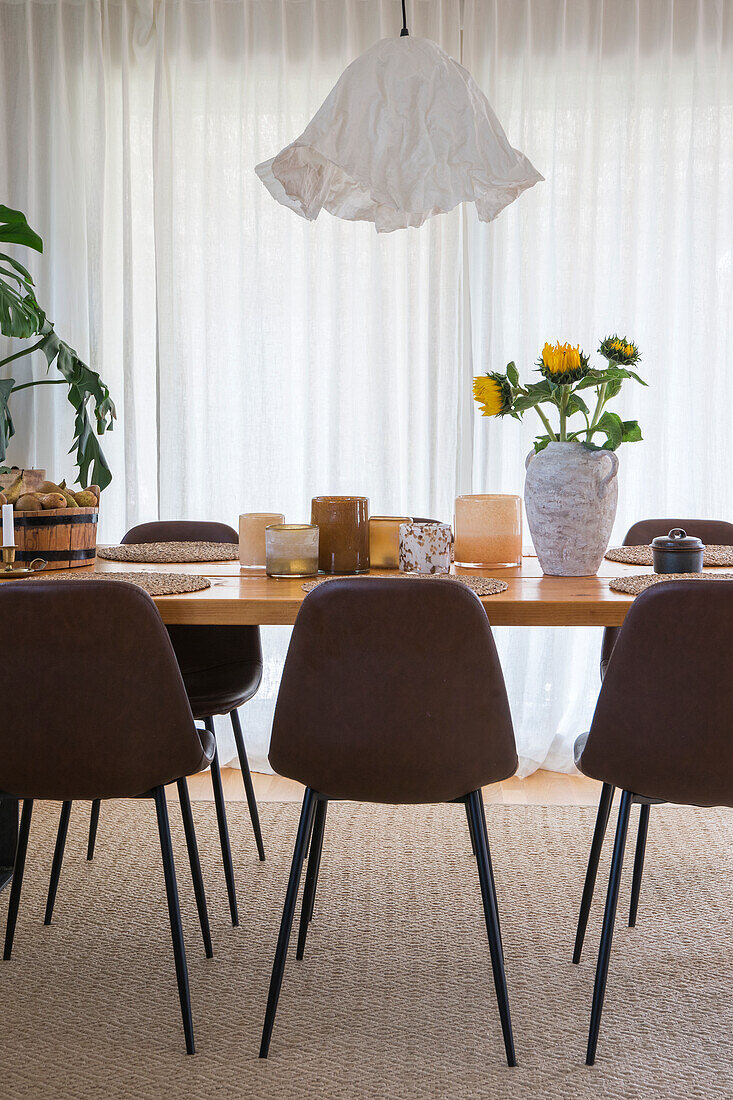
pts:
[425, 547]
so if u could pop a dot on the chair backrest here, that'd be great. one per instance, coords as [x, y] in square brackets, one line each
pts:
[181, 530]
[663, 725]
[713, 532]
[93, 705]
[392, 691]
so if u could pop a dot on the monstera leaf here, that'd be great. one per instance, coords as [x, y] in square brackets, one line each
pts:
[6, 420]
[20, 314]
[21, 318]
[86, 390]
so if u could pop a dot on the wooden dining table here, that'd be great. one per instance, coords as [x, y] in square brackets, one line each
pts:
[238, 597]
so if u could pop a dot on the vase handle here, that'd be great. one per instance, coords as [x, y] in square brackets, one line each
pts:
[614, 468]
[528, 459]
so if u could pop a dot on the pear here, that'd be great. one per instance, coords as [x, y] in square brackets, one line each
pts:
[67, 495]
[86, 499]
[3, 499]
[94, 489]
[47, 487]
[29, 502]
[53, 500]
[13, 491]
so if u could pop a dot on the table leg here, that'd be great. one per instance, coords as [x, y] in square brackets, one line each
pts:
[8, 838]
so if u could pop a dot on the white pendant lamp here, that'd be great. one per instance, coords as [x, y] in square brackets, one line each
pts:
[406, 133]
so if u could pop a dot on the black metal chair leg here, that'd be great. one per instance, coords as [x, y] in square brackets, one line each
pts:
[248, 785]
[491, 868]
[58, 856]
[604, 809]
[278, 967]
[221, 819]
[311, 878]
[488, 896]
[609, 918]
[174, 912]
[18, 868]
[470, 829]
[193, 859]
[639, 862]
[93, 823]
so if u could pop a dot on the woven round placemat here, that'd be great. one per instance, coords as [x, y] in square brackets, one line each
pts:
[632, 586]
[642, 555]
[170, 553]
[155, 584]
[482, 586]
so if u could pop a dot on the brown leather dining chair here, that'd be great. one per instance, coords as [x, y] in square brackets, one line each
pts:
[663, 725]
[713, 532]
[138, 736]
[222, 669]
[392, 692]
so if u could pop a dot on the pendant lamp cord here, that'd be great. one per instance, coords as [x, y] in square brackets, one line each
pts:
[404, 30]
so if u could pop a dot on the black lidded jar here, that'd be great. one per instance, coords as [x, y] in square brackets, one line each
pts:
[677, 552]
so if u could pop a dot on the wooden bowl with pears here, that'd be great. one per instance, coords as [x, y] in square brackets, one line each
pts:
[53, 522]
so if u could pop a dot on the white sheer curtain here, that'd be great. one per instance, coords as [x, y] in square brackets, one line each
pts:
[626, 107]
[257, 359]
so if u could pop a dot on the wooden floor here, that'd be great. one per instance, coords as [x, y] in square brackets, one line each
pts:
[540, 789]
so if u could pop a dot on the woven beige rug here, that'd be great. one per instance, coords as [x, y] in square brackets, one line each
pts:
[394, 998]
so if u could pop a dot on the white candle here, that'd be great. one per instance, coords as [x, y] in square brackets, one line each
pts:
[8, 526]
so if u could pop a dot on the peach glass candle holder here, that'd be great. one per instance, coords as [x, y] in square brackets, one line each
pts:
[291, 550]
[488, 531]
[343, 523]
[252, 527]
[384, 541]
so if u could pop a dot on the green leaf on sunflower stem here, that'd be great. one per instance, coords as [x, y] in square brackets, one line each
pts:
[612, 425]
[612, 388]
[14, 229]
[576, 404]
[592, 378]
[512, 374]
[540, 443]
[85, 388]
[7, 431]
[631, 431]
[635, 376]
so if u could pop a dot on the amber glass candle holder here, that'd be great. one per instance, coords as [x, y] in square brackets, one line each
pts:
[384, 541]
[291, 550]
[343, 524]
[252, 526]
[488, 531]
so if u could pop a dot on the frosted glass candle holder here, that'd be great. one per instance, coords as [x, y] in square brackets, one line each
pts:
[425, 547]
[488, 530]
[291, 550]
[252, 526]
[384, 541]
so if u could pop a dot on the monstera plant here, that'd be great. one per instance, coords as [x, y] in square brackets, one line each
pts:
[21, 318]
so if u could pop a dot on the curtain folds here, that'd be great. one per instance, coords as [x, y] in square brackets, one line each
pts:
[257, 360]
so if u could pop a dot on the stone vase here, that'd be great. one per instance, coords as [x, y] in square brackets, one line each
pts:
[570, 494]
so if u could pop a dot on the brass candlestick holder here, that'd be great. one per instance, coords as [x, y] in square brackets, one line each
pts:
[10, 571]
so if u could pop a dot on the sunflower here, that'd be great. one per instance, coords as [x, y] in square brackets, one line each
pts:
[563, 363]
[617, 349]
[493, 393]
